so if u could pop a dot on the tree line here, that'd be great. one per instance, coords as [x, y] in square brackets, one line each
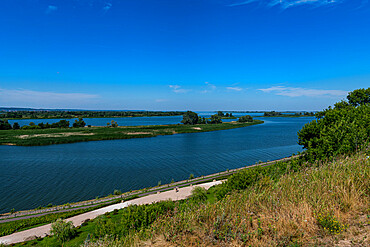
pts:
[84, 114]
[80, 123]
[192, 118]
[279, 114]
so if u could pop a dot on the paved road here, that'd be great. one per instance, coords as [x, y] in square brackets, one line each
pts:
[43, 231]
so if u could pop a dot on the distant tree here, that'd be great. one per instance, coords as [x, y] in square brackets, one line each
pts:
[359, 97]
[16, 126]
[202, 120]
[64, 124]
[246, 118]
[31, 124]
[220, 113]
[190, 118]
[114, 124]
[5, 125]
[79, 124]
[272, 114]
[41, 125]
[191, 176]
[215, 119]
[227, 114]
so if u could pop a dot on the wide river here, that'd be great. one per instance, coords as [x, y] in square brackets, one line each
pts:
[34, 176]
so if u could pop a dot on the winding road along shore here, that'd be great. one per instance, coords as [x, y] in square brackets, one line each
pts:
[43, 231]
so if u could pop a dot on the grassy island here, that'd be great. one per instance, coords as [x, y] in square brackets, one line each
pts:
[39, 137]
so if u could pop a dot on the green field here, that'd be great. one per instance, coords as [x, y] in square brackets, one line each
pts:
[38, 137]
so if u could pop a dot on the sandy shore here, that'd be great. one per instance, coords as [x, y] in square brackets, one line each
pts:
[43, 231]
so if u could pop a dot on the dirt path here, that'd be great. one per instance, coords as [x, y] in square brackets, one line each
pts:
[43, 231]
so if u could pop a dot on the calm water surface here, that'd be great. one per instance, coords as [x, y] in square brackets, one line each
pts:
[34, 176]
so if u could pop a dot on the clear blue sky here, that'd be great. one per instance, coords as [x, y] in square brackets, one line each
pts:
[183, 54]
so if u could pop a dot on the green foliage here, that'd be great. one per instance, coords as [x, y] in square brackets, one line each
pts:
[190, 118]
[202, 120]
[339, 130]
[272, 114]
[117, 192]
[191, 176]
[330, 223]
[113, 124]
[215, 119]
[62, 230]
[246, 118]
[18, 225]
[220, 114]
[359, 97]
[80, 123]
[5, 125]
[259, 174]
[16, 126]
[33, 114]
[132, 218]
[198, 194]
[61, 124]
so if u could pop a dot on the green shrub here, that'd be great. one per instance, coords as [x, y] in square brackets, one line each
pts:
[62, 230]
[343, 129]
[198, 194]
[330, 223]
[132, 218]
[117, 192]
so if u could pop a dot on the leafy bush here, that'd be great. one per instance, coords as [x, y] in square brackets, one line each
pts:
[62, 230]
[198, 194]
[341, 130]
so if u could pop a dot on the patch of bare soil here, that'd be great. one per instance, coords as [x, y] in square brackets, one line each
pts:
[139, 133]
[197, 128]
[55, 135]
